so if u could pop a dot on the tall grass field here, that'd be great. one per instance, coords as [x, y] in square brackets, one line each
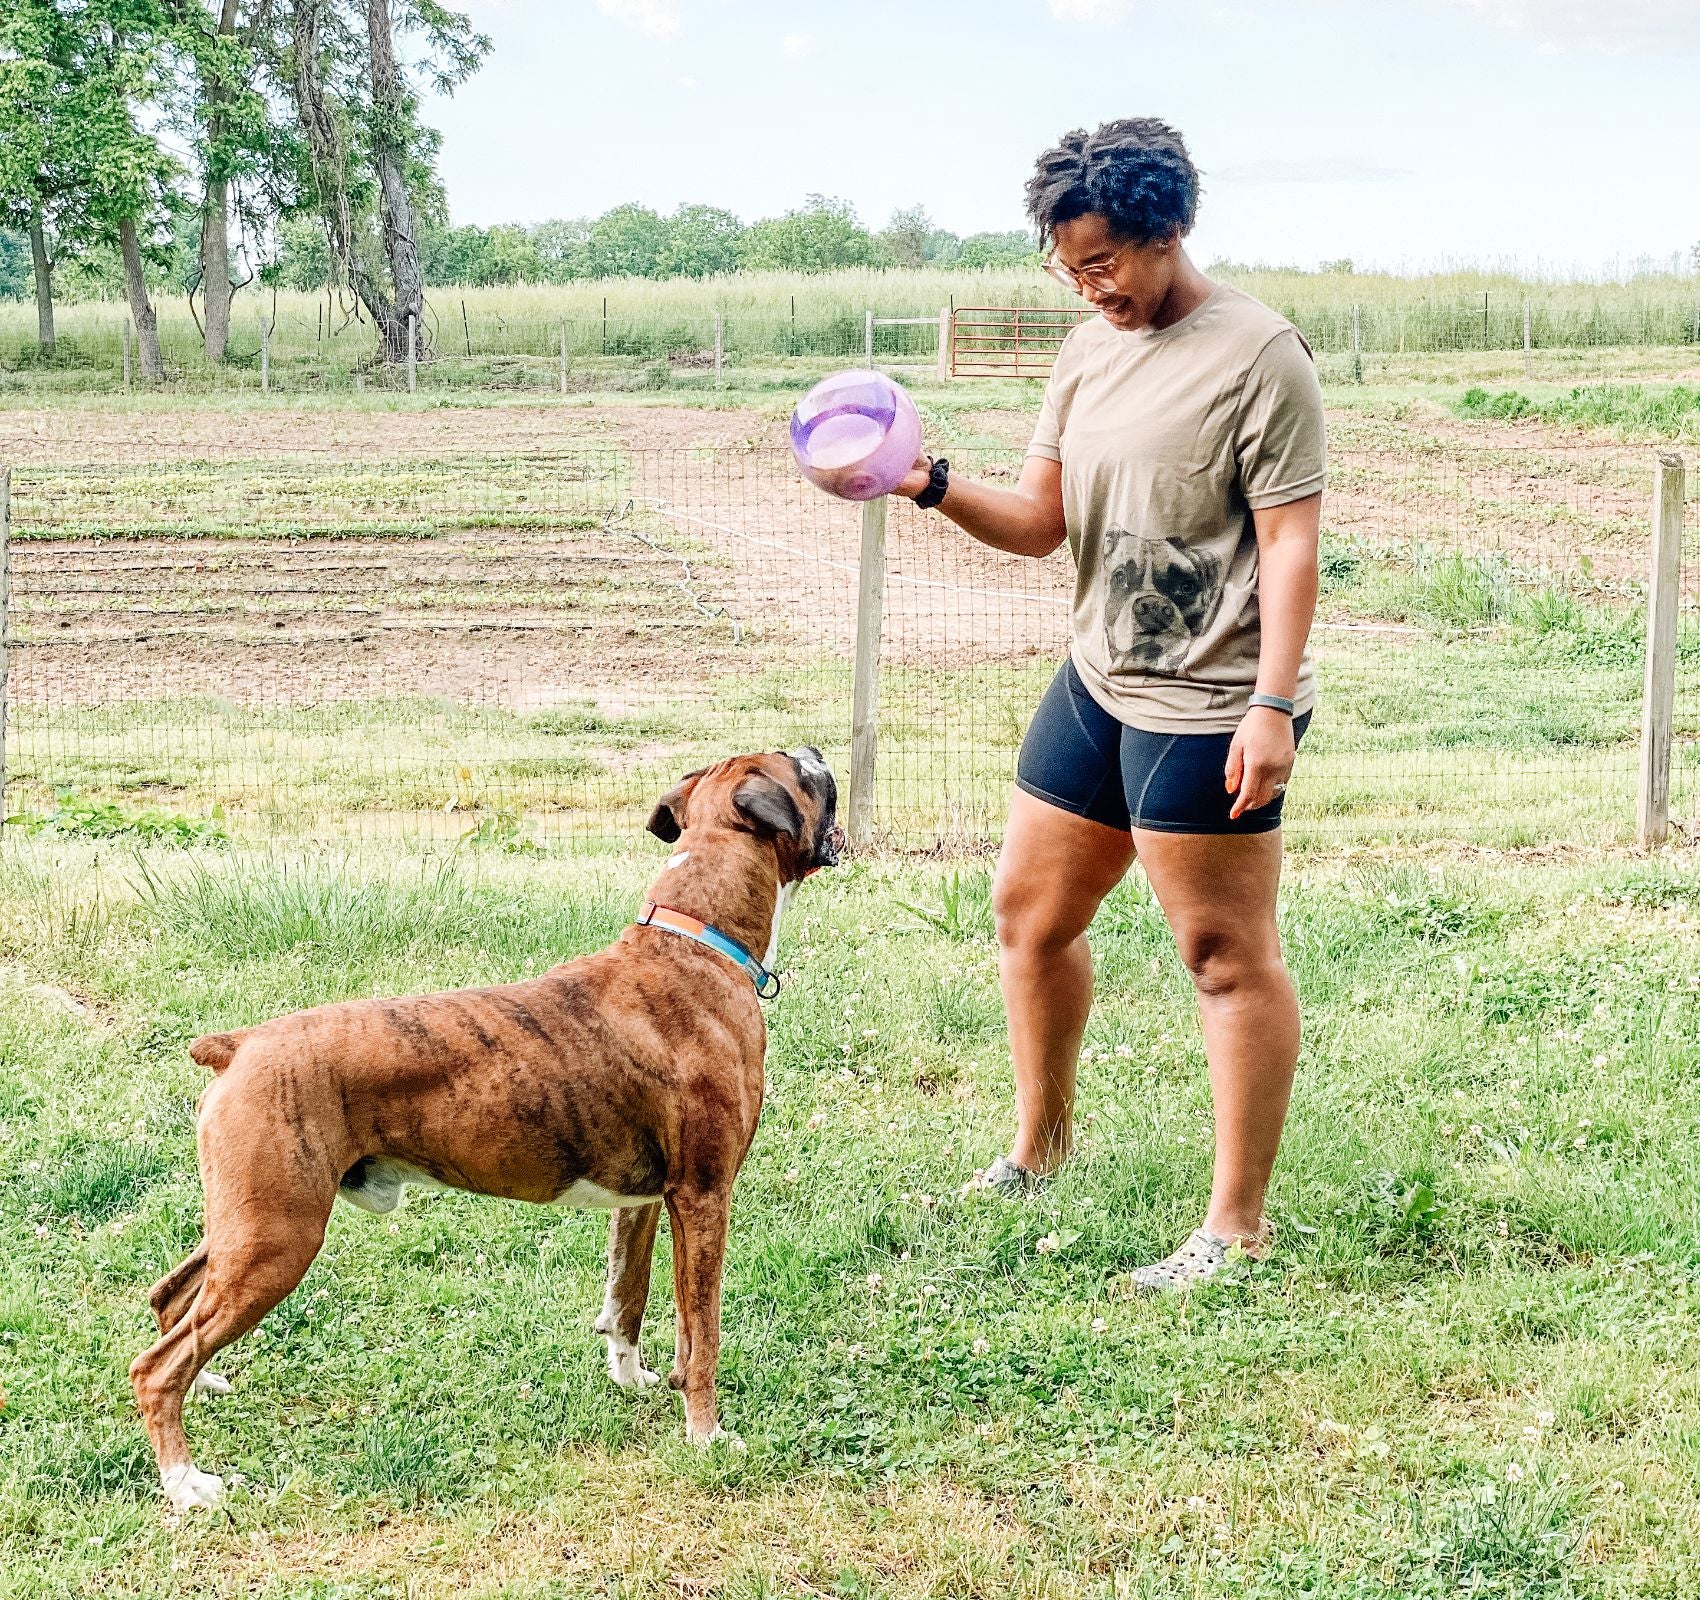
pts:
[777, 314]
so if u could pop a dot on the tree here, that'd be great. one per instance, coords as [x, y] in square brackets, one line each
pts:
[944, 248]
[14, 265]
[1013, 249]
[43, 156]
[559, 244]
[625, 242]
[233, 133]
[701, 241]
[110, 68]
[905, 236]
[369, 159]
[823, 235]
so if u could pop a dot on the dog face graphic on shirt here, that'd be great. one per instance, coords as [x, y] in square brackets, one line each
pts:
[1159, 596]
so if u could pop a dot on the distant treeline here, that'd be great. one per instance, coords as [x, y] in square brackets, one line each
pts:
[695, 241]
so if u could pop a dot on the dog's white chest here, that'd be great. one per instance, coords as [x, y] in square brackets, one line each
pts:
[583, 1195]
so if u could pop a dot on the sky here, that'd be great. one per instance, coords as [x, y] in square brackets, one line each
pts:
[1554, 135]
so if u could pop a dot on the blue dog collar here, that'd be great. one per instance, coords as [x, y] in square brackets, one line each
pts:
[654, 916]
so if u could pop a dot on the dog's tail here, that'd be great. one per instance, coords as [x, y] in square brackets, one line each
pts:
[217, 1050]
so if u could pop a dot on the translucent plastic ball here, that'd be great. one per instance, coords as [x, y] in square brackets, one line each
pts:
[855, 435]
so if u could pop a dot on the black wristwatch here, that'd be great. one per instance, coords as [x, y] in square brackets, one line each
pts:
[938, 480]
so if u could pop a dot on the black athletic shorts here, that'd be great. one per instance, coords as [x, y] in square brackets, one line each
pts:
[1077, 756]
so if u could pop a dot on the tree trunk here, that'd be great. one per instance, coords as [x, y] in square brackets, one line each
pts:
[141, 308]
[389, 158]
[215, 208]
[43, 287]
[215, 269]
[330, 175]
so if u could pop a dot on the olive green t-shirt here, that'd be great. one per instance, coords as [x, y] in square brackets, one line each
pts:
[1168, 439]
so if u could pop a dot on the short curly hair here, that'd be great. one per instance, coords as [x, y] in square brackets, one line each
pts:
[1135, 173]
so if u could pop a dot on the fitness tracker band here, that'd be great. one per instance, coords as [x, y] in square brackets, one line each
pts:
[938, 480]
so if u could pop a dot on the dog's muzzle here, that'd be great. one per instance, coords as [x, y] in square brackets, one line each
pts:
[828, 851]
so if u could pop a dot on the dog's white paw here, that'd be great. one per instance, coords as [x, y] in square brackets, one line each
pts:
[209, 1383]
[725, 1438]
[188, 1490]
[626, 1368]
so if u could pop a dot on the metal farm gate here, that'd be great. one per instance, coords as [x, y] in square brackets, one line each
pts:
[1010, 341]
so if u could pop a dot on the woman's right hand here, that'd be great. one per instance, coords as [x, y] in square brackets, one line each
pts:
[916, 478]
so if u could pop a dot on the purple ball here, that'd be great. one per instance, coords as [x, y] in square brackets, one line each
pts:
[855, 435]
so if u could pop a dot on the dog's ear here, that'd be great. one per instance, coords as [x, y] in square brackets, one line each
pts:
[769, 805]
[664, 821]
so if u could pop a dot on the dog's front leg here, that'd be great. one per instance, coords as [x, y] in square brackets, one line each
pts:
[700, 1222]
[631, 1248]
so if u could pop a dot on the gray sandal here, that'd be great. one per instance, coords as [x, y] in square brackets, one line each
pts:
[1005, 1179]
[1197, 1261]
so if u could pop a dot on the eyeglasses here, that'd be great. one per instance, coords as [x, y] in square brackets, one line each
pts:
[1100, 276]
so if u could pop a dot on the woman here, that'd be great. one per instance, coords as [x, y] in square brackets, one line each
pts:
[1180, 453]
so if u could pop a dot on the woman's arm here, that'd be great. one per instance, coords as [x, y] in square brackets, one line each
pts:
[1024, 521]
[1262, 752]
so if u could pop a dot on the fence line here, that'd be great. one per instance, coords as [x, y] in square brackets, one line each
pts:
[294, 352]
[534, 645]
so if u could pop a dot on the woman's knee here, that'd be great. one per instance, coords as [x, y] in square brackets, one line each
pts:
[1031, 915]
[1224, 962]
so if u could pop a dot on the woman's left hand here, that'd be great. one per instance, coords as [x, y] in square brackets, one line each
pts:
[1260, 760]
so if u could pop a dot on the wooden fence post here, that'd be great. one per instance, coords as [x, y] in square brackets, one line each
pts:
[412, 352]
[865, 688]
[5, 619]
[868, 342]
[1658, 702]
[466, 328]
[944, 343]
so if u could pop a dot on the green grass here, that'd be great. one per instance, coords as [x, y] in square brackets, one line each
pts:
[1470, 1369]
[1633, 410]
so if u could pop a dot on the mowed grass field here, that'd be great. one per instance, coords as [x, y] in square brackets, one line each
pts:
[1471, 1367]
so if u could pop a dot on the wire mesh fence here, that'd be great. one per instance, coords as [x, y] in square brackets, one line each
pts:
[529, 646]
[323, 343]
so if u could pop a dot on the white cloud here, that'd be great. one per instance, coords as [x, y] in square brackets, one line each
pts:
[658, 18]
[1322, 169]
[1104, 13]
[688, 84]
[1604, 27]
[797, 45]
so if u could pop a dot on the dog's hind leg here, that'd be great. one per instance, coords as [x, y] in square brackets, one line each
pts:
[258, 1247]
[700, 1220]
[176, 1291]
[631, 1248]
[171, 1298]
